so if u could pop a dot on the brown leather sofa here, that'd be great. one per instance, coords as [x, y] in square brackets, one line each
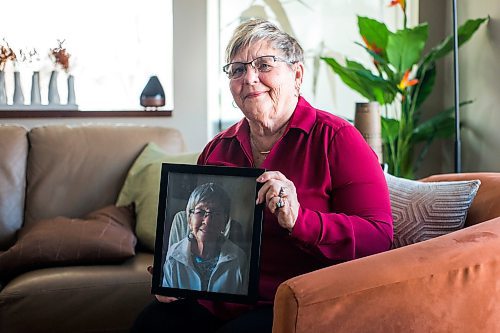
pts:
[446, 284]
[68, 171]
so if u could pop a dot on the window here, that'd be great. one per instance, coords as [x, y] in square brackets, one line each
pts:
[115, 46]
[322, 27]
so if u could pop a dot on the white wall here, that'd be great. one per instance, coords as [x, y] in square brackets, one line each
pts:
[190, 81]
[479, 72]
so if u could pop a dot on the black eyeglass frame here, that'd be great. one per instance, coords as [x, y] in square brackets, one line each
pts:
[225, 68]
[206, 213]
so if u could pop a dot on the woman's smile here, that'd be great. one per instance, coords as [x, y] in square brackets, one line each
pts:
[255, 94]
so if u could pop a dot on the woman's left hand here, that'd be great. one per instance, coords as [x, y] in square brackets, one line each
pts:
[280, 196]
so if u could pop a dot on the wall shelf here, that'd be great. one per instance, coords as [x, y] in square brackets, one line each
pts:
[44, 113]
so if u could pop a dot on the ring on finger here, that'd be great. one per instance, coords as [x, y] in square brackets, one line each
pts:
[280, 203]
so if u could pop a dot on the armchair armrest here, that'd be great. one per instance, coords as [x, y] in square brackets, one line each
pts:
[447, 284]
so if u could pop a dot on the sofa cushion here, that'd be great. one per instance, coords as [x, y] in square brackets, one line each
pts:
[13, 156]
[103, 236]
[426, 210]
[73, 170]
[77, 299]
[142, 187]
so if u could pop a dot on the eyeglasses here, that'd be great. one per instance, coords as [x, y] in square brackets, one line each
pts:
[264, 64]
[201, 213]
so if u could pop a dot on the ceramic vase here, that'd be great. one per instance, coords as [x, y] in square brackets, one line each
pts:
[35, 89]
[71, 90]
[53, 90]
[3, 94]
[18, 90]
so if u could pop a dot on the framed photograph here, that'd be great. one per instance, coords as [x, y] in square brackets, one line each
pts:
[208, 233]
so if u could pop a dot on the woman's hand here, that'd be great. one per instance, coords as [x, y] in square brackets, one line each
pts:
[160, 298]
[280, 196]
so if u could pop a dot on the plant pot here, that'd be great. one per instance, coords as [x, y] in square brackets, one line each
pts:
[367, 121]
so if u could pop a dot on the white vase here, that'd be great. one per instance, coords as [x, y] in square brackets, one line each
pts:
[53, 90]
[71, 90]
[35, 89]
[3, 94]
[18, 90]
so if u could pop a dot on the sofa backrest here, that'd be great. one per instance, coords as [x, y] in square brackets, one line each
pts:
[74, 170]
[13, 155]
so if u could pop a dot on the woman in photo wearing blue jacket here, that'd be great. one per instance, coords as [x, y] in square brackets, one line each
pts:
[206, 260]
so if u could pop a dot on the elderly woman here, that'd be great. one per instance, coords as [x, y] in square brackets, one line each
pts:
[206, 259]
[325, 195]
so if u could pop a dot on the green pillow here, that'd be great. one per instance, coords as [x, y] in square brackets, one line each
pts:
[142, 187]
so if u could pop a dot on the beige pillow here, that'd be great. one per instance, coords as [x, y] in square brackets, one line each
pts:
[103, 236]
[142, 187]
[426, 210]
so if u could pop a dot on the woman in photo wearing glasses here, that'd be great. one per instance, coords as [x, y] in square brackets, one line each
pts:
[206, 260]
[325, 195]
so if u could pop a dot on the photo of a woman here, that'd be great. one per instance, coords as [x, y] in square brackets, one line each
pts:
[206, 259]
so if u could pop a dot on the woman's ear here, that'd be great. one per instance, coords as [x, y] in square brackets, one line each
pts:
[299, 73]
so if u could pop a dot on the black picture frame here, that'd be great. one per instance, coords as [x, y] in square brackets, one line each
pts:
[234, 271]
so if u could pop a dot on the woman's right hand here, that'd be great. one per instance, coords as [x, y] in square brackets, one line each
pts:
[160, 298]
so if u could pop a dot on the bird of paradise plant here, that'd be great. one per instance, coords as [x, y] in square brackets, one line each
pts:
[403, 79]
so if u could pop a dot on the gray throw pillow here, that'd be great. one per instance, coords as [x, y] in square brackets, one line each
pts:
[426, 210]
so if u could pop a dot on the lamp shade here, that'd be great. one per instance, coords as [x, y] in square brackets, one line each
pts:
[153, 95]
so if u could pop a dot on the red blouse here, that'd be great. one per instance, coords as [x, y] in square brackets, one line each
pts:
[344, 211]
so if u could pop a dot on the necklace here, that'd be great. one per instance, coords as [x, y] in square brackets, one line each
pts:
[275, 137]
[258, 149]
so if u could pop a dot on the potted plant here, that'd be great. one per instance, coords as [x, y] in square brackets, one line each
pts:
[402, 79]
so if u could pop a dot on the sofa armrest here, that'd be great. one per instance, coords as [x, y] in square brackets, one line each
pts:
[447, 284]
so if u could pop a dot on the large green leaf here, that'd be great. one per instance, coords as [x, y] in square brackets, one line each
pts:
[404, 47]
[384, 91]
[374, 32]
[426, 81]
[376, 57]
[464, 33]
[357, 77]
[441, 125]
[351, 78]
[390, 129]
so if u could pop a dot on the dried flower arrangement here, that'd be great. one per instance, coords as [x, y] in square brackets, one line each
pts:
[6, 54]
[28, 55]
[60, 56]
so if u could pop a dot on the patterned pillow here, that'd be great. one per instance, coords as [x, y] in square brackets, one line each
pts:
[426, 210]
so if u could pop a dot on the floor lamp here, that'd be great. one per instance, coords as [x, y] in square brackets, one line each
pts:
[458, 153]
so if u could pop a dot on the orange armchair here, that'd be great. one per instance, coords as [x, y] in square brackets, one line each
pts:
[446, 284]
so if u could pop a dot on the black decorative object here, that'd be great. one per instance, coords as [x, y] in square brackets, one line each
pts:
[153, 95]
